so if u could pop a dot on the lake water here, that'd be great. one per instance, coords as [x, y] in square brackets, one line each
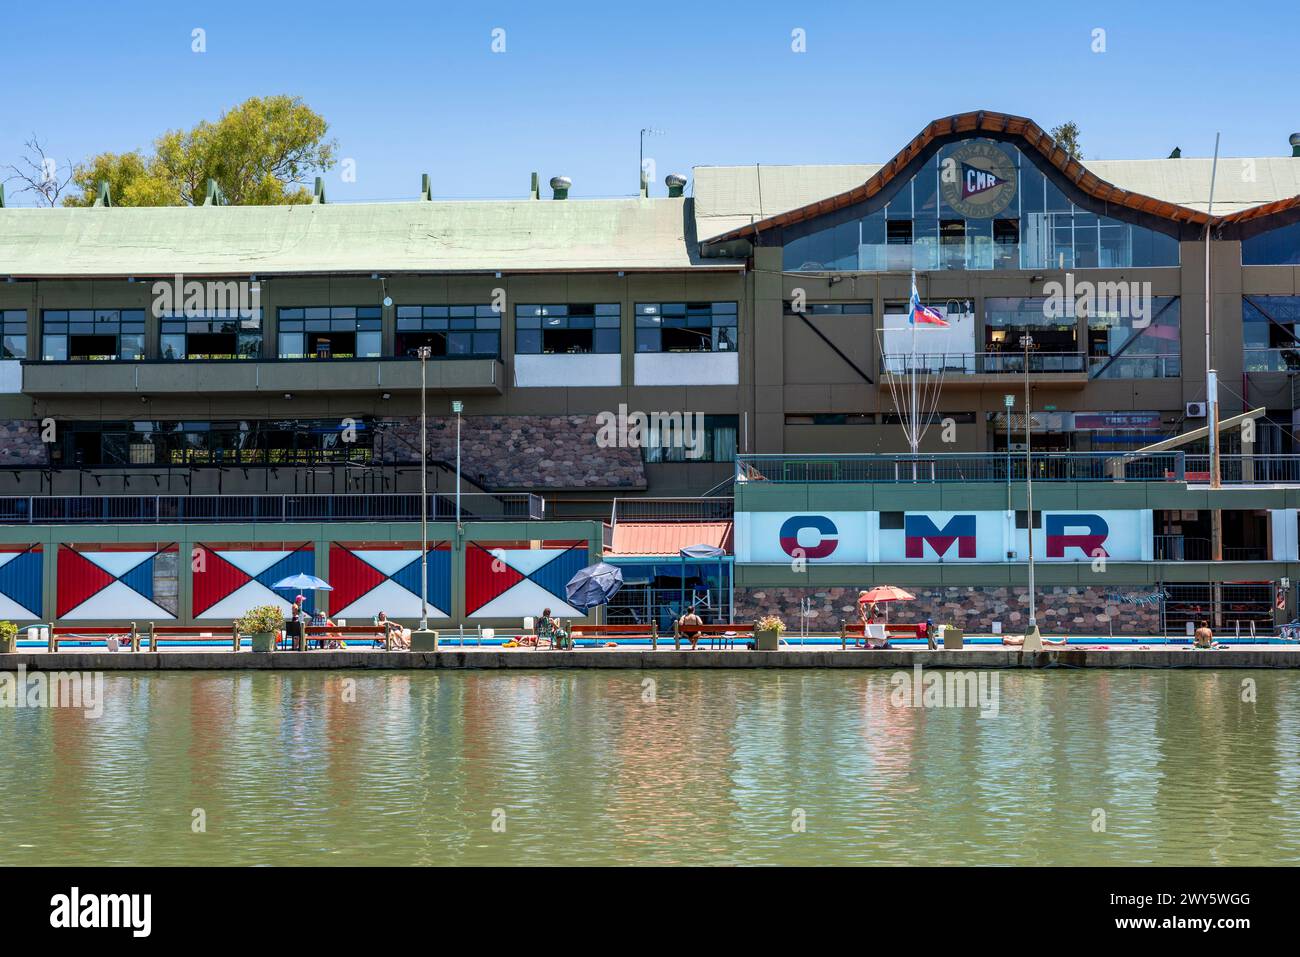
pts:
[712, 767]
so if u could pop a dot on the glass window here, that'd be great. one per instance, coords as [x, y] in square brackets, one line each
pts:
[14, 322]
[449, 331]
[686, 327]
[978, 204]
[691, 438]
[1276, 247]
[1269, 331]
[1138, 342]
[216, 335]
[83, 335]
[1055, 338]
[330, 332]
[571, 329]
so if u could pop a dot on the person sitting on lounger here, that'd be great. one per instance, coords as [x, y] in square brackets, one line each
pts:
[690, 618]
[551, 631]
[394, 632]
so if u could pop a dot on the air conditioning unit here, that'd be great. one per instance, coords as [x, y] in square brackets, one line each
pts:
[1196, 410]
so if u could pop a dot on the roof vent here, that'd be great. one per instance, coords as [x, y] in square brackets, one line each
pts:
[560, 187]
[1176, 154]
[1295, 144]
[676, 183]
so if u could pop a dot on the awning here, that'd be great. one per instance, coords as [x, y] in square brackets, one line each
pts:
[669, 538]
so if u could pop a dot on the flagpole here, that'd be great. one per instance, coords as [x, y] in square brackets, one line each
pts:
[913, 438]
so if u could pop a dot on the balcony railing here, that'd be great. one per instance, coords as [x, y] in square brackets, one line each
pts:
[177, 509]
[1272, 360]
[995, 467]
[712, 509]
[1181, 548]
[982, 363]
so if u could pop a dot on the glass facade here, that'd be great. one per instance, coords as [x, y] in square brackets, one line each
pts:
[237, 442]
[1055, 339]
[217, 335]
[661, 589]
[14, 322]
[979, 205]
[1127, 346]
[1277, 247]
[1269, 327]
[330, 332]
[572, 329]
[83, 335]
[449, 331]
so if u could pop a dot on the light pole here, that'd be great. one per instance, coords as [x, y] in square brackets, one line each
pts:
[424, 640]
[458, 407]
[1033, 642]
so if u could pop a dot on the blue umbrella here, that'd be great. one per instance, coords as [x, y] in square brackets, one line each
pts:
[593, 585]
[303, 582]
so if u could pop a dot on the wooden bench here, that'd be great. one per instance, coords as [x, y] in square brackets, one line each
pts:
[892, 630]
[60, 634]
[650, 631]
[717, 634]
[324, 633]
[177, 633]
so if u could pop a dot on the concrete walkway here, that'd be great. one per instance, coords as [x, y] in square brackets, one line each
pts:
[978, 656]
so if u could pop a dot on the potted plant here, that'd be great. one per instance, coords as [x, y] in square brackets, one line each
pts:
[261, 624]
[767, 633]
[8, 638]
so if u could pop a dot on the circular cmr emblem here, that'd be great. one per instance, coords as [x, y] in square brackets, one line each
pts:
[978, 180]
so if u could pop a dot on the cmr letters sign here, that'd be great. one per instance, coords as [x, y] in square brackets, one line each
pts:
[860, 538]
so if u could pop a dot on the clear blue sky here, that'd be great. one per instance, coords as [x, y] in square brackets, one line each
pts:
[415, 87]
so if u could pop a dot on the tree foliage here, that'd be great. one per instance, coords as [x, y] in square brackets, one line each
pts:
[1067, 137]
[261, 153]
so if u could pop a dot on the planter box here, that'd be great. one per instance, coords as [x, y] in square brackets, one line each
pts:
[424, 640]
[769, 640]
[263, 640]
[9, 646]
[952, 638]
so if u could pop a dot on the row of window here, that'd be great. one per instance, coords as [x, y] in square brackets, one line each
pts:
[356, 332]
[308, 441]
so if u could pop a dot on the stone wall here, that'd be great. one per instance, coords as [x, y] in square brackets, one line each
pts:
[502, 452]
[20, 443]
[1062, 609]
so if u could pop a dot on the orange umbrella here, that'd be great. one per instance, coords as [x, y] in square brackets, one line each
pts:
[889, 593]
[886, 593]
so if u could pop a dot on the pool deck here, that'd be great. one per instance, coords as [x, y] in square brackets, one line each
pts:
[454, 658]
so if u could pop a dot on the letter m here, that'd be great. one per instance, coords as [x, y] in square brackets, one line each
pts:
[920, 530]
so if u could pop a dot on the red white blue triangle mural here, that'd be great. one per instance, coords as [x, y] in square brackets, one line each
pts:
[369, 579]
[230, 581]
[97, 583]
[517, 582]
[22, 578]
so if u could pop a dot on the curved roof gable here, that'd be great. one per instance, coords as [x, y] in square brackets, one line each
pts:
[1020, 131]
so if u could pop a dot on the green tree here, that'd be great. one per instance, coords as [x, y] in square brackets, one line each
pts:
[1067, 137]
[261, 152]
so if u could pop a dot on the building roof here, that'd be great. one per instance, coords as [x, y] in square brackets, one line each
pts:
[669, 538]
[505, 235]
[730, 199]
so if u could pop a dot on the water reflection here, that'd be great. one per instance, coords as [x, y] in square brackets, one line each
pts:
[696, 767]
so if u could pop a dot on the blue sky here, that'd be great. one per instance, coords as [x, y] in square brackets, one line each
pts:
[415, 87]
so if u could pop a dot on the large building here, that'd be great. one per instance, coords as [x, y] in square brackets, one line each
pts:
[218, 358]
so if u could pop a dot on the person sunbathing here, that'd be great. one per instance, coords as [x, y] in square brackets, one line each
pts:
[1017, 642]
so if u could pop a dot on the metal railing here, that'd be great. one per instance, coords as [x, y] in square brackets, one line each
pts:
[1246, 469]
[168, 509]
[982, 363]
[964, 467]
[667, 509]
[1271, 360]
